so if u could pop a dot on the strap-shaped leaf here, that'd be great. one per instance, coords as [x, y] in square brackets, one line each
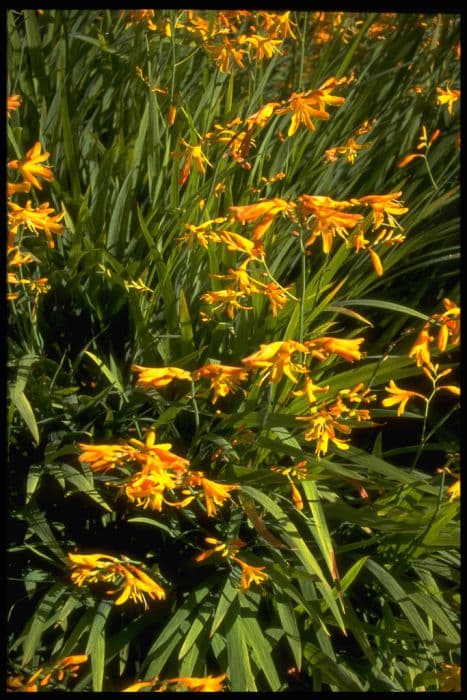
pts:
[95, 647]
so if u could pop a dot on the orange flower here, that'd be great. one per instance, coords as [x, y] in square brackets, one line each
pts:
[328, 220]
[225, 549]
[384, 204]
[101, 458]
[349, 349]
[192, 153]
[215, 494]
[399, 396]
[13, 103]
[262, 116]
[275, 360]
[36, 220]
[224, 379]
[323, 429]
[202, 233]
[303, 106]
[15, 187]
[147, 488]
[30, 167]
[225, 299]
[225, 55]
[421, 348]
[447, 96]
[156, 377]
[130, 582]
[264, 211]
[250, 574]
[207, 684]
[264, 46]
[236, 242]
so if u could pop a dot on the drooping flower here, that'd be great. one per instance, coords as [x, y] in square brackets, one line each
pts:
[30, 166]
[156, 377]
[275, 360]
[224, 379]
[399, 396]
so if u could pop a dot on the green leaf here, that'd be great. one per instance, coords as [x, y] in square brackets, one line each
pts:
[24, 408]
[44, 611]
[399, 596]
[95, 647]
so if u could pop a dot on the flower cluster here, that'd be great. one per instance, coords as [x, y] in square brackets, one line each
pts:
[57, 671]
[129, 582]
[228, 550]
[206, 684]
[38, 220]
[161, 474]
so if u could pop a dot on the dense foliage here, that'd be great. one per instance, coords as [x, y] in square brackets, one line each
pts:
[233, 332]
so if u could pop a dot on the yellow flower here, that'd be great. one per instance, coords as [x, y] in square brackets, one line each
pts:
[156, 377]
[399, 396]
[250, 574]
[224, 379]
[384, 204]
[376, 260]
[454, 490]
[147, 488]
[30, 167]
[275, 360]
[277, 295]
[310, 389]
[447, 96]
